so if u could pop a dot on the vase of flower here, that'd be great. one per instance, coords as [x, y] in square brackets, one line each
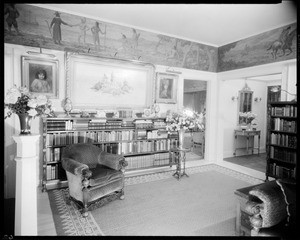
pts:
[20, 101]
[25, 123]
[181, 137]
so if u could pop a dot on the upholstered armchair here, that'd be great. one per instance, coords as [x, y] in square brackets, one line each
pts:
[273, 208]
[92, 174]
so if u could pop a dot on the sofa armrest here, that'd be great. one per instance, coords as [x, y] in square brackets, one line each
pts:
[114, 161]
[74, 167]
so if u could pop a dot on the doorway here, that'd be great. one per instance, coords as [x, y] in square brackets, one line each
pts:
[262, 94]
[194, 98]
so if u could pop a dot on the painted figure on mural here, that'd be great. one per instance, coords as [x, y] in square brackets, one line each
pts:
[95, 31]
[40, 83]
[135, 38]
[83, 28]
[284, 42]
[56, 22]
[11, 19]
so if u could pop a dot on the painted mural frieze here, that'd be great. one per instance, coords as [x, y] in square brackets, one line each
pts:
[40, 27]
[272, 46]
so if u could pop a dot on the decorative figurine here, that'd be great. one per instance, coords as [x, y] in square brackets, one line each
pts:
[68, 106]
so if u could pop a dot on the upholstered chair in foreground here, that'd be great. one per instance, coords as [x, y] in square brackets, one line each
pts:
[93, 174]
[273, 208]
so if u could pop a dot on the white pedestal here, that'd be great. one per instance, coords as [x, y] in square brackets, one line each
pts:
[26, 189]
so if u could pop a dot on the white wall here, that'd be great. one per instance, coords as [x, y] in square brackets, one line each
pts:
[230, 113]
[12, 66]
[230, 83]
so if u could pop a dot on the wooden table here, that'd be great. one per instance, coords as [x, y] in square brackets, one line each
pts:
[248, 134]
[242, 224]
[178, 156]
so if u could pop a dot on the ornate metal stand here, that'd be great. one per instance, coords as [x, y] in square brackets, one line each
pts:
[179, 154]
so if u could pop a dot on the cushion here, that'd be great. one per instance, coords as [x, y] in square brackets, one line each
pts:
[289, 191]
[83, 153]
[102, 175]
[273, 209]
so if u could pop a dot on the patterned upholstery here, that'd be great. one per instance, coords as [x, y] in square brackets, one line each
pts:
[273, 208]
[92, 174]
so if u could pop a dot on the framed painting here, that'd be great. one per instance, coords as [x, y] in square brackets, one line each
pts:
[106, 83]
[40, 75]
[166, 88]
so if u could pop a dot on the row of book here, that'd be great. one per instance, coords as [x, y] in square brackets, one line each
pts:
[283, 140]
[283, 155]
[143, 161]
[143, 123]
[152, 134]
[145, 146]
[287, 111]
[55, 171]
[59, 125]
[281, 172]
[103, 123]
[64, 138]
[279, 124]
[53, 154]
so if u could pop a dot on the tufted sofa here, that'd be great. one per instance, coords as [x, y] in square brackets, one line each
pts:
[273, 208]
[92, 174]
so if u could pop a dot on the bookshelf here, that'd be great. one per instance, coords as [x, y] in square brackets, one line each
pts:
[144, 142]
[282, 140]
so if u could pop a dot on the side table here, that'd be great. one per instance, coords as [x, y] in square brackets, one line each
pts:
[178, 156]
[248, 134]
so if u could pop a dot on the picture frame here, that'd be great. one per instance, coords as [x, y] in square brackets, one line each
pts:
[106, 83]
[46, 69]
[166, 88]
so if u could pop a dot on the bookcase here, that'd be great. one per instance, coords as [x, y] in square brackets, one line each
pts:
[282, 140]
[144, 142]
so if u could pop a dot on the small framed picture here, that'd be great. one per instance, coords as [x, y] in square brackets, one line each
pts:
[166, 88]
[40, 75]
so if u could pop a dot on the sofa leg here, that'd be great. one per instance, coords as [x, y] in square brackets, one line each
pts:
[122, 194]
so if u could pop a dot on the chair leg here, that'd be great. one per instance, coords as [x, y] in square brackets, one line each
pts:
[68, 200]
[122, 194]
[85, 201]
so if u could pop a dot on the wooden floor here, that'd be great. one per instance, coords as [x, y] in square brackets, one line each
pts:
[254, 161]
[45, 220]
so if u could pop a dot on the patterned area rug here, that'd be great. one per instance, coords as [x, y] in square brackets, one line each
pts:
[156, 204]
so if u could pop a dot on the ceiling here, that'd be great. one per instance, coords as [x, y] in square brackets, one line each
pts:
[211, 24]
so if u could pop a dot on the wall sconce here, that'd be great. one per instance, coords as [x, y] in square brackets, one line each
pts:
[256, 99]
[233, 98]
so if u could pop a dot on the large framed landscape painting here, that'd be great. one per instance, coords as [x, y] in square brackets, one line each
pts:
[104, 83]
[40, 75]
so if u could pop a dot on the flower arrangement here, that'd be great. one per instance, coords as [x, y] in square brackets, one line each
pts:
[186, 119]
[20, 101]
[247, 117]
